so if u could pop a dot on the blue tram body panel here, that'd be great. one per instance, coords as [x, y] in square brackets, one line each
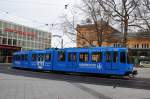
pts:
[24, 63]
[100, 60]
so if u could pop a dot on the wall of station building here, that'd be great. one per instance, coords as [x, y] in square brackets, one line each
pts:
[14, 37]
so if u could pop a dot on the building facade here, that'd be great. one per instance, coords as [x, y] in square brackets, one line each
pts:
[138, 43]
[14, 37]
[87, 34]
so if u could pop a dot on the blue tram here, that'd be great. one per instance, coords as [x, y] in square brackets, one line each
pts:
[100, 60]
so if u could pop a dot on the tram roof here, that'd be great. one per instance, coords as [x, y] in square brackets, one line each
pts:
[33, 51]
[74, 49]
[97, 48]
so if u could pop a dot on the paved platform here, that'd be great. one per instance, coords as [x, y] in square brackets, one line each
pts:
[21, 84]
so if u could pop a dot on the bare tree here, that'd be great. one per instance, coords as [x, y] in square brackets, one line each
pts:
[98, 16]
[122, 13]
[70, 29]
[143, 14]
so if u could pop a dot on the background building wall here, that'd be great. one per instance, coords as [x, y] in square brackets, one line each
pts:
[15, 37]
[86, 35]
[25, 37]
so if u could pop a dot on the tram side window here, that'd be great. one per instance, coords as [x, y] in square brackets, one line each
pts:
[115, 57]
[21, 57]
[108, 57]
[24, 57]
[48, 57]
[14, 57]
[96, 56]
[123, 57]
[72, 57]
[34, 57]
[17, 58]
[84, 57]
[61, 56]
[41, 57]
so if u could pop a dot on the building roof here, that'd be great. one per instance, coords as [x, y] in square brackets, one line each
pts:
[119, 35]
[92, 25]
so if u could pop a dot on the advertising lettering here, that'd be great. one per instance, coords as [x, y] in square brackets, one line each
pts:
[20, 32]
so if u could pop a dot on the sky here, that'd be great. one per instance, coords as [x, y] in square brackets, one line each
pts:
[37, 13]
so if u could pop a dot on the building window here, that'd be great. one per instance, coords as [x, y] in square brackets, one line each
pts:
[9, 41]
[14, 42]
[0, 40]
[137, 46]
[1, 32]
[117, 45]
[4, 40]
[145, 45]
[0, 24]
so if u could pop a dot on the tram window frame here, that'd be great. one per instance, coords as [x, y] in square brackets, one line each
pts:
[85, 58]
[71, 57]
[34, 57]
[115, 57]
[42, 55]
[26, 57]
[15, 57]
[22, 57]
[123, 58]
[18, 58]
[108, 56]
[47, 57]
[61, 57]
[99, 57]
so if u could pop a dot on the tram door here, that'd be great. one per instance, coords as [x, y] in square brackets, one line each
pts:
[108, 60]
[115, 61]
[40, 61]
[60, 63]
[72, 61]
